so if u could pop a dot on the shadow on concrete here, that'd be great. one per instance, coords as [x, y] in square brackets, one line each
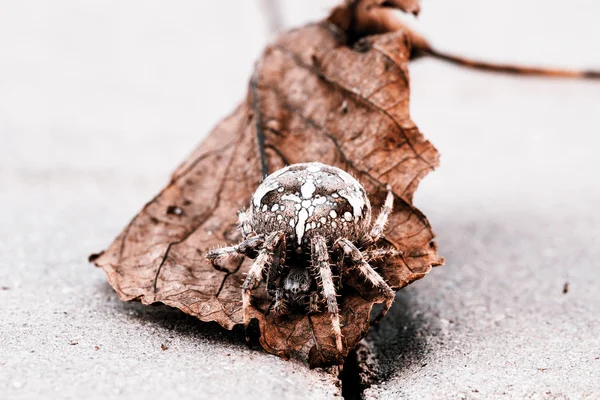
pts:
[399, 342]
[178, 322]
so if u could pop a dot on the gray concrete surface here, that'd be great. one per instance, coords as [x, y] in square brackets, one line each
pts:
[515, 207]
[98, 103]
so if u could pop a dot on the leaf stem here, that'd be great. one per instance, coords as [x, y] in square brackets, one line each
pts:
[509, 68]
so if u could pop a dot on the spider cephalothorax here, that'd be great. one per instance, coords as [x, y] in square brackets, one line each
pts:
[308, 226]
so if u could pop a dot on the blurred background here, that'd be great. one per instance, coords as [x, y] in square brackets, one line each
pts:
[100, 101]
[100, 87]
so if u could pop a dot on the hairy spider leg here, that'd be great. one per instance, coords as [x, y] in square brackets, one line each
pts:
[277, 265]
[358, 261]
[281, 305]
[257, 271]
[244, 223]
[382, 218]
[248, 248]
[313, 303]
[320, 261]
[382, 253]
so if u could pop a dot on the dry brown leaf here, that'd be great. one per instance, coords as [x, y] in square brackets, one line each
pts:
[315, 96]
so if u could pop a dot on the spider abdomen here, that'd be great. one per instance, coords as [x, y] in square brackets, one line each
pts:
[310, 199]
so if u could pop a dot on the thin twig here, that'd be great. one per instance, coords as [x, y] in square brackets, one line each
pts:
[511, 69]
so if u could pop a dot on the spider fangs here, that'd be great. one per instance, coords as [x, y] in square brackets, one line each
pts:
[298, 216]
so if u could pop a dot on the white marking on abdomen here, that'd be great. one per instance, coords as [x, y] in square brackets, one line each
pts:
[291, 197]
[319, 200]
[262, 190]
[300, 225]
[356, 201]
[308, 188]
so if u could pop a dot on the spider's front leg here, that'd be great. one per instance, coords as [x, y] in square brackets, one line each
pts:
[248, 248]
[264, 260]
[320, 262]
[277, 265]
[382, 219]
[356, 258]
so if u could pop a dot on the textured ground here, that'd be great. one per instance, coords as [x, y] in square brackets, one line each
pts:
[99, 103]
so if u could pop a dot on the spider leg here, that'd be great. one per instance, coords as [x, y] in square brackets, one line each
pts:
[381, 254]
[246, 248]
[356, 258]
[313, 304]
[277, 264]
[281, 305]
[257, 270]
[382, 218]
[244, 223]
[320, 262]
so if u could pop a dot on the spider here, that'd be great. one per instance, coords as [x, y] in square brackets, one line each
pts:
[307, 227]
